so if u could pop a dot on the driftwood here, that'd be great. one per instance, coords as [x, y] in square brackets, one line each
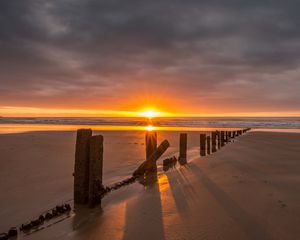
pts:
[147, 165]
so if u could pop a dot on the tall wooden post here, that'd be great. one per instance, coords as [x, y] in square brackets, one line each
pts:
[208, 144]
[151, 145]
[81, 168]
[222, 138]
[182, 148]
[96, 169]
[202, 144]
[214, 141]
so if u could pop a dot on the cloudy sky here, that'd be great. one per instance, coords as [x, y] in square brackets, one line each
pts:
[193, 57]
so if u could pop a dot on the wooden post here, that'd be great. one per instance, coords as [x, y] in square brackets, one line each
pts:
[233, 134]
[96, 169]
[222, 139]
[151, 145]
[208, 144]
[219, 139]
[146, 166]
[202, 144]
[214, 141]
[81, 168]
[226, 136]
[182, 148]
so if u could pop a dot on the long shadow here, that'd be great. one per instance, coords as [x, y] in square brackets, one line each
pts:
[181, 191]
[242, 218]
[144, 213]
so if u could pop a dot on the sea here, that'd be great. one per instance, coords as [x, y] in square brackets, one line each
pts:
[24, 124]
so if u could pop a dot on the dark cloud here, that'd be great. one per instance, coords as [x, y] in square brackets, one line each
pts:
[245, 54]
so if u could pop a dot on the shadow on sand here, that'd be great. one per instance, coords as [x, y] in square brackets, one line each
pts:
[246, 222]
[144, 212]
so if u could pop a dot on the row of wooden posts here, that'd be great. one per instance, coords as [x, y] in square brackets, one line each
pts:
[209, 144]
[88, 168]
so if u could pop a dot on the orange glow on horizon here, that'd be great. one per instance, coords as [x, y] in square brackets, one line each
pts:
[15, 111]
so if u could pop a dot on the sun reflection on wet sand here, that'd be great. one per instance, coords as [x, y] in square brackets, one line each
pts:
[150, 128]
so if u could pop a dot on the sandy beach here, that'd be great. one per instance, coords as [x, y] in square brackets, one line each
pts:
[250, 189]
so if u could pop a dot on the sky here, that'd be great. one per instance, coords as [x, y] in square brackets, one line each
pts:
[116, 57]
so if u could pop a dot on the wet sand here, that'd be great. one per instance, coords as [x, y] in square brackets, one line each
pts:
[250, 189]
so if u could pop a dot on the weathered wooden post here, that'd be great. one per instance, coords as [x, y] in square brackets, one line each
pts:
[213, 141]
[151, 145]
[222, 138]
[219, 138]
[229, 136]
[81, 168]
[147, 165]
[208, 144]
[202, 144]
[182, 148]
[233, 134]
[96, 170]
[226, 136]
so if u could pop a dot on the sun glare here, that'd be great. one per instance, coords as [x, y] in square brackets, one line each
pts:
[149, 114]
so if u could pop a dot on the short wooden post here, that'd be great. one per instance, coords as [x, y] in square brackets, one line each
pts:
[214, 141]
[233, 134]
[96, 170]
[208, 144]
[151, 145]
[202, 144]
[222, 138]
[226, 136]
[81, 168]
[182, 148]
[146, 166]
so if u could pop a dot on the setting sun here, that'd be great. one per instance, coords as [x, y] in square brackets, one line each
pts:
[150, 114]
